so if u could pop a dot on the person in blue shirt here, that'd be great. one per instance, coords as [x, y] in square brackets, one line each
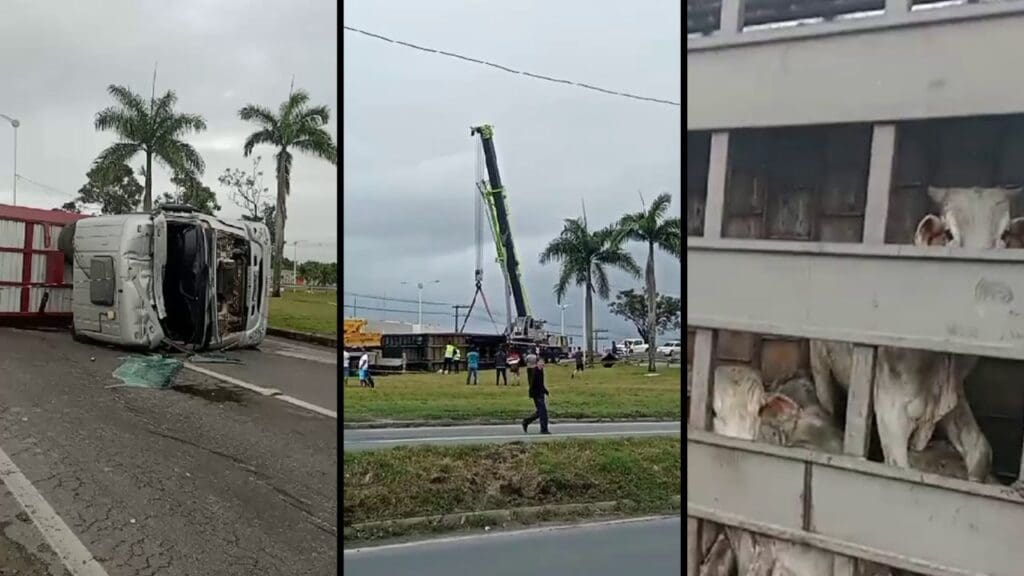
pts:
[472, 366]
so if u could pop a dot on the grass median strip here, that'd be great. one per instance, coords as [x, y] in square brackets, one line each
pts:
[621, 392]
[310, 312]
[437, 488]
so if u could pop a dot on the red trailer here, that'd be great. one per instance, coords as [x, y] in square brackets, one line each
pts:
[35, 281]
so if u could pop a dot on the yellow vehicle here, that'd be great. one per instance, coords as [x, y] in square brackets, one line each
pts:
[355, 335]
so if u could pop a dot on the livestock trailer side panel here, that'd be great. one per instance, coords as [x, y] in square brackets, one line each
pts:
[35, 281]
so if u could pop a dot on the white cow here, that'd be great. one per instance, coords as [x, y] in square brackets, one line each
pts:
[791, 416]
[917, 390]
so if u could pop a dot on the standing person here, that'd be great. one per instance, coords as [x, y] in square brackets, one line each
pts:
[472, 366]
[364, 370]
[449, 353]
[578, 356]
[537, 393]
[513, 364]
[345, 363]
[500, 365]
[531, 366]
[457, 358]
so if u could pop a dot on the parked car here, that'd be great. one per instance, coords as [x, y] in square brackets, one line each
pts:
[171, 276]
[634, 345]
[670, 348]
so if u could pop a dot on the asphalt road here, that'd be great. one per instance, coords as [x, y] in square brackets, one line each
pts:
[204, 478]
[635, 548]
[370, 439]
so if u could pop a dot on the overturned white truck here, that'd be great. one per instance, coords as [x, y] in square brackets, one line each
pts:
[171, 277]
[854, 298]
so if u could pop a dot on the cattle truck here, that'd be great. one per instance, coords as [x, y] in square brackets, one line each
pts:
[815, 130]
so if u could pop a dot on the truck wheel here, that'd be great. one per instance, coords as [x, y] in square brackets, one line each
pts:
[66, 242]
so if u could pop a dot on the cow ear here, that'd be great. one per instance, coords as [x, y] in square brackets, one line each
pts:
[779, 406]
[1014, 235]
[931, 231]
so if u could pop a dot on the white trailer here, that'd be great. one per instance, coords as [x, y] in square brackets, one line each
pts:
[859, 116]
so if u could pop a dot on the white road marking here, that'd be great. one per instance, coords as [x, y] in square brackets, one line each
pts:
[308, 357]
[449, 539]
[308, 406]
[428, 439]
[75, 556]
[271, 392]
[234, 381]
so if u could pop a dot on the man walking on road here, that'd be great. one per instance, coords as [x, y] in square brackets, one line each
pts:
[537, 392]
[346, 365]
[500, 366]
[457, 359]
[449, 353]
[472, 366]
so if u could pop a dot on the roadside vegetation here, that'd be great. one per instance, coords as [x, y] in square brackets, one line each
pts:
[314, 312]
[409, 490]
[619, 392]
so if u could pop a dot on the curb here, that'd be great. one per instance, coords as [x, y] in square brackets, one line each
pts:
[485, 518]
[493, 422]
[307, 337]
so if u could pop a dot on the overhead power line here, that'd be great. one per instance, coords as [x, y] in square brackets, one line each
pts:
[514, 71]
[44, 186]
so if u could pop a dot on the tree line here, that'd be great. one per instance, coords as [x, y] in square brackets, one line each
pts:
[584, 257]
[154, 130]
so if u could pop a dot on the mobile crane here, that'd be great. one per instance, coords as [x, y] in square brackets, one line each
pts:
[524, 331]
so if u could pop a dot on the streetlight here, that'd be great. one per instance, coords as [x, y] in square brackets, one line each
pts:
[14, 123]
[419, 287]
[562, 307]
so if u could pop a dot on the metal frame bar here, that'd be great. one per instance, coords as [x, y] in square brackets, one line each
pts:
[895, 17]
[835, 503]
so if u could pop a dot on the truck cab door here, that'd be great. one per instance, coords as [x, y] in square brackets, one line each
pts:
[159, 262]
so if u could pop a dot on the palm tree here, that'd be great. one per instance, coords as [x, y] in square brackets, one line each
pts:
[153, 128]
[584, 257]
[297, 126]
[651, 227]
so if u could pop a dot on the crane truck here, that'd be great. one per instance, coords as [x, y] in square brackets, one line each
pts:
[524, 332]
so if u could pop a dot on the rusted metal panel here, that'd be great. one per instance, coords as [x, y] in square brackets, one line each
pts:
[11, 264]
[858, 293]
[12, 234]
[10, 299]
[59, 299]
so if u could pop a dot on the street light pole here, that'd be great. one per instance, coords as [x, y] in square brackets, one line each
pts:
[14, 188]
[419, 300]
[562, 307]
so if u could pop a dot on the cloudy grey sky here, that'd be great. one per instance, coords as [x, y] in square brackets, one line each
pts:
[409, 162]
[57, 58]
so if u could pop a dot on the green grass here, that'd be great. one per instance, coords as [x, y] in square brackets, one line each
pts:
[315, 312]
[618, 392]
[411, 482]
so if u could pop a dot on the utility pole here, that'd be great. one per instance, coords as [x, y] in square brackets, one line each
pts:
[562, 308]
[14, 124]
[458, 307]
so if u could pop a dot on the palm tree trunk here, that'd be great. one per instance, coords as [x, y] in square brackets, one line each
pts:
[652, 307]
[147, 198]
[282, 190]
[589, 328]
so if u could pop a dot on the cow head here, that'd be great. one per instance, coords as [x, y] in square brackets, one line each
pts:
[971, 218]
[738, 397]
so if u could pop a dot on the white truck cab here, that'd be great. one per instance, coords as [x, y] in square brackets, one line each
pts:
[173, 276]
